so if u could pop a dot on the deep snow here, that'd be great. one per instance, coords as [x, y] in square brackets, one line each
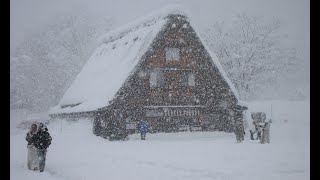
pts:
[76, 153]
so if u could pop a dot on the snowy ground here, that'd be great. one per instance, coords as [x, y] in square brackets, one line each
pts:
[77, 154]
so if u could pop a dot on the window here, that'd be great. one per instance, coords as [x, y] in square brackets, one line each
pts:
[188, 79]
[184, 79]
[157, 79]
[191, 80]
[172, 54]
[153, 79]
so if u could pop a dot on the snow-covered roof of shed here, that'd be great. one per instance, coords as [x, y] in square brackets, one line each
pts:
[114, 61]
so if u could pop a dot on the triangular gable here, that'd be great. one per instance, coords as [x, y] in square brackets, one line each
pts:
[115, 60]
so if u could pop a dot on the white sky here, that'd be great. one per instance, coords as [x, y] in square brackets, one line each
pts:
[28, 16]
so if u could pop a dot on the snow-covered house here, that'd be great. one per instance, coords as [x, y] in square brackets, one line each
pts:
[159, 69]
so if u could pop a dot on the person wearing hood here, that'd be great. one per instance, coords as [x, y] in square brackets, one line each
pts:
[33, 163]
[31, 134]
[42, 142]
[43, 127]
[143, 127]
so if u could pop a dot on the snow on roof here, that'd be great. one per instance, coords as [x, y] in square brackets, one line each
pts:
[114, 61]
[216, 62]
[107, 69]
[158, 14]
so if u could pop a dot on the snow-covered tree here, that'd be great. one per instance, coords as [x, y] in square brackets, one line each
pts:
[250, 53]
[42, 67]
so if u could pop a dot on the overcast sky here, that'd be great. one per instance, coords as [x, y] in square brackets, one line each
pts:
[28, 16]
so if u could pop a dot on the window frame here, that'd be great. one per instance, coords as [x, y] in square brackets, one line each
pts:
[185, 80]
[158, 79]
[171, 52]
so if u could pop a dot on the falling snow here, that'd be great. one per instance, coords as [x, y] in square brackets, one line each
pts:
[160, 98]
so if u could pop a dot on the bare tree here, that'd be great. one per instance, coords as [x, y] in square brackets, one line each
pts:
[250, 53]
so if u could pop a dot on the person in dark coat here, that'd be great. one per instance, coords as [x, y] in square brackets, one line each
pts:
[31, 134]
[143, 127]
[42, 142]
[33, 162]
[41, 125]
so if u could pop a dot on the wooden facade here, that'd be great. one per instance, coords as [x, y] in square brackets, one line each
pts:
[170, 102]
[175, 84]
